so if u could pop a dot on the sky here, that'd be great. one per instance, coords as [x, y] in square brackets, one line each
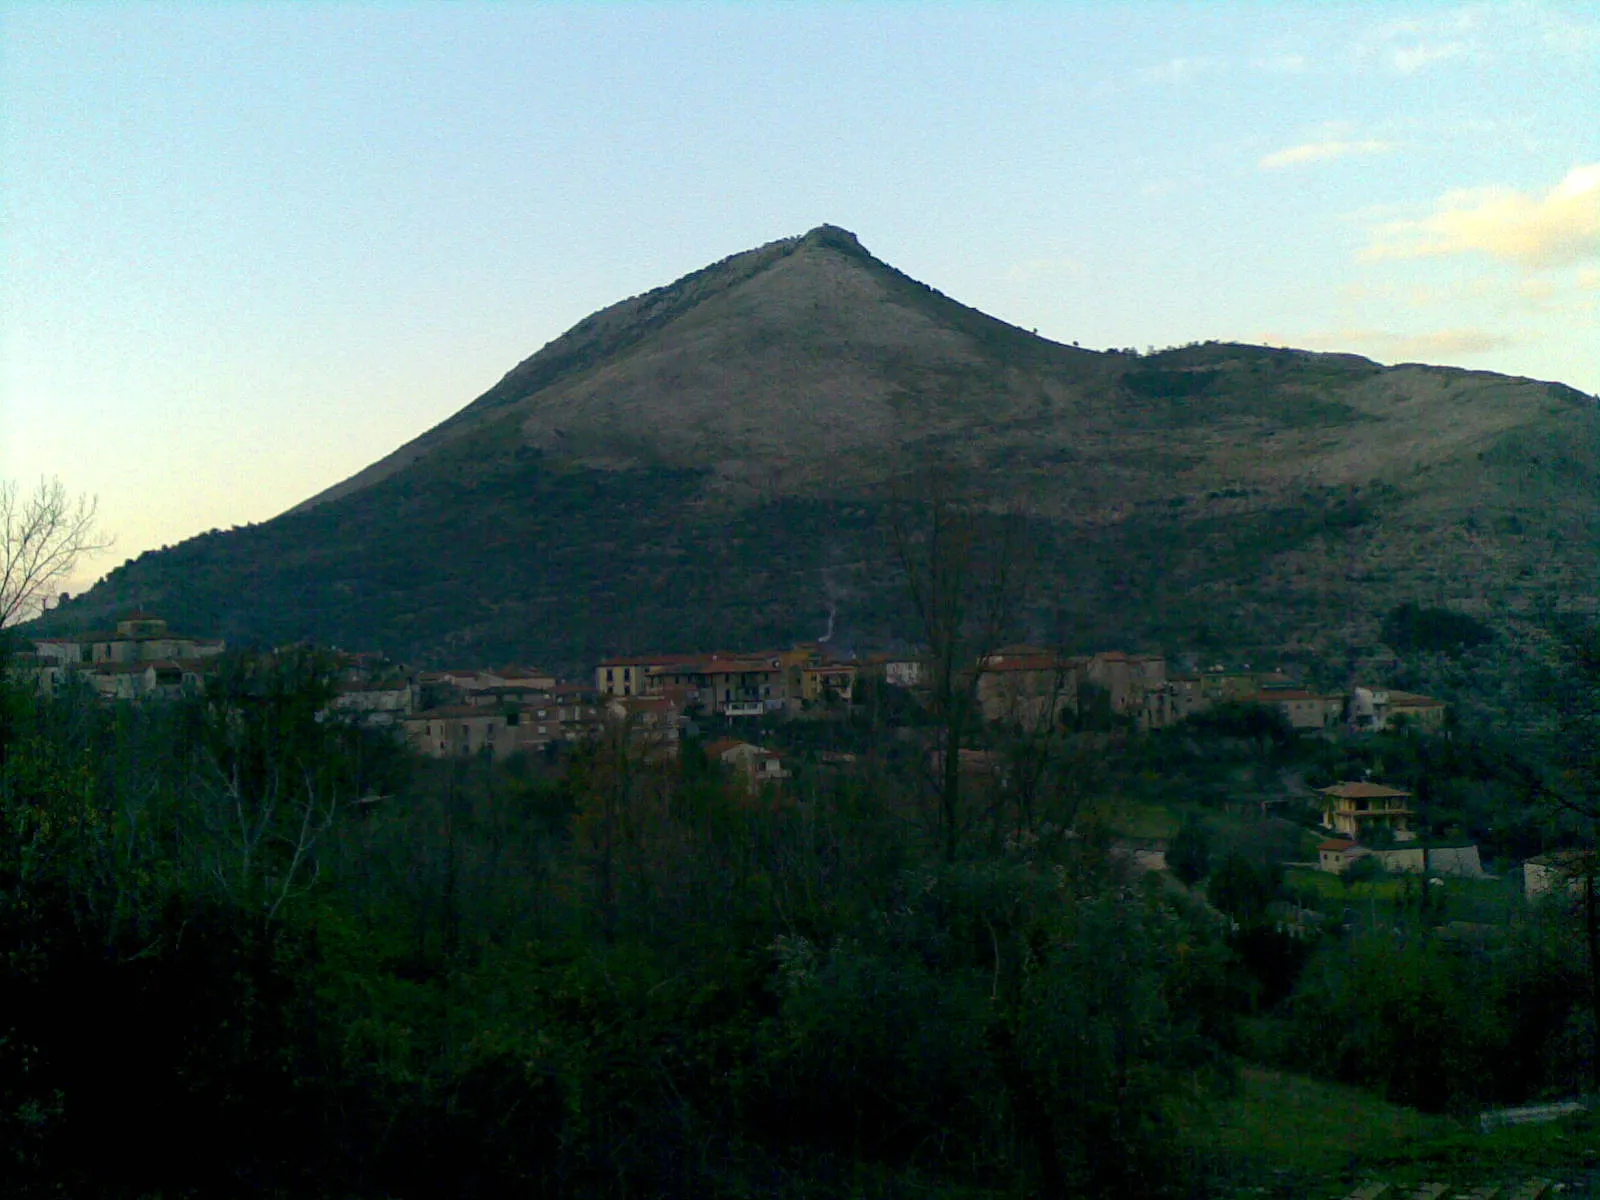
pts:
[247, 249]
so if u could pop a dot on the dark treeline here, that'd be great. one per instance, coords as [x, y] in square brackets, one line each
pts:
[250, 950]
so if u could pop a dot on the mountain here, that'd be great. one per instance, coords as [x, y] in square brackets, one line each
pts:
[705, 464]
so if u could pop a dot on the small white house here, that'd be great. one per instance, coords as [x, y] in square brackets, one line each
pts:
[1569, 870]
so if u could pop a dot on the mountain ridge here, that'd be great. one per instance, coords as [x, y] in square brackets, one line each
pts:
[705, 458]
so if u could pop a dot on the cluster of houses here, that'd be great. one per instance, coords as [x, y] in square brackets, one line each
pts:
[1373, 820]
[656, 697]
[507, 710]
[139, 659]
[1026, 684]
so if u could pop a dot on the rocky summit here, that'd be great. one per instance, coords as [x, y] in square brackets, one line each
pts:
[705, 464]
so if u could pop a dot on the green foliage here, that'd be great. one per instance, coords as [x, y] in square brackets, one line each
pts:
[1242, 890]
[1189, 852]
[616, 976]
[1393, 1016]
[1258, 723]
[1366, 869]
[1410, 628]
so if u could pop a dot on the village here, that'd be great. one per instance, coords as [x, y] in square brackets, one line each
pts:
[736, 704]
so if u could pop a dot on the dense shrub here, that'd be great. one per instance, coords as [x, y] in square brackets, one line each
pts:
[1411, 628]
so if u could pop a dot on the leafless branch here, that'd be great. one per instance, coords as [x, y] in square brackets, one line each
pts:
[42, 537]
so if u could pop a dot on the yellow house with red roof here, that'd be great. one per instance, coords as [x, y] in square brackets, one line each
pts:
[1357, 809]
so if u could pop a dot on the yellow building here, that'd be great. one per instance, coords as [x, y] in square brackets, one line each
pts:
[1356, 809]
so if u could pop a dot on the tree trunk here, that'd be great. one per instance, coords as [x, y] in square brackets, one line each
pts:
[1032, 1116]
[1591, 929]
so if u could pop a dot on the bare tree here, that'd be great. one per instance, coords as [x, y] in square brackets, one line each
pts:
[966, 578]
[42, 537]
[1573, 796]
[275, 776]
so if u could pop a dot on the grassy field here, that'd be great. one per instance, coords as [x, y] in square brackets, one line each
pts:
[1311, 1138]
[1333, 889]
[1139, 819]
[1484, 901]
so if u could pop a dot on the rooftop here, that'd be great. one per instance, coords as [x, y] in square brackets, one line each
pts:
[1363, 791]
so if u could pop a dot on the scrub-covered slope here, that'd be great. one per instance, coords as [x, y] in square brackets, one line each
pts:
[702, 465]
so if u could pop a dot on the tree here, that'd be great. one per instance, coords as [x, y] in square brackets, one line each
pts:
[1572, 796]
[1412, 628]
[1241, 890]
[274, 775]
[966, 581]
[1366, 869]
[1189, 855]
[42, 537]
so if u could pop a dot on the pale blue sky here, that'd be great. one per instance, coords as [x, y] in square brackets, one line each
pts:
[250, 248]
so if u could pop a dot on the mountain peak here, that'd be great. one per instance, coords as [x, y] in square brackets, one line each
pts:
[705, 462]
[835, 238]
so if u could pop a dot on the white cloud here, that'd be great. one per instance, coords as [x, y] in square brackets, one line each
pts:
[1398, 347]
[1562, 32]
[1410, 46]
[1558, 229]
[1282, 64]
[1450, 341]
[1178, 70]
[1057, 266]
[1418, 56]
[1320, 151]
[1479, 33]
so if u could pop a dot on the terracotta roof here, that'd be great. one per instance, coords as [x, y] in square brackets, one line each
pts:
[649, 660]
[1412, 700]
[1027, 662]
[717, 664]
[721, 746]
[1336, 844]
[456, 710]
[1362, 791]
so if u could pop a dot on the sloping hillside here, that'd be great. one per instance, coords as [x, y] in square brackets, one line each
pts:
[703, 465]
